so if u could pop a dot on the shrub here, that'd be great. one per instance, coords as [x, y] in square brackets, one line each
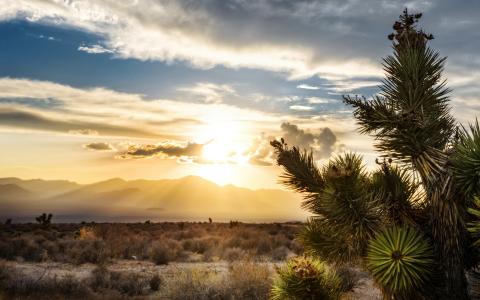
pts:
[249, 280]
[194, 284]
[234, 254]
[155, 282]
[160, 254]
[306, 278]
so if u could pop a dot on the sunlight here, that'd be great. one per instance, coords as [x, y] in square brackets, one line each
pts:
[219, 173]
[216, 152]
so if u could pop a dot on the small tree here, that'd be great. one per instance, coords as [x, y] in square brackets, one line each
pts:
[44, 219]
[406, 221]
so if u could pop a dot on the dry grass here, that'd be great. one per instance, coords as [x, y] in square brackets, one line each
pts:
[247, 280]
[247, 249]
[159, 242]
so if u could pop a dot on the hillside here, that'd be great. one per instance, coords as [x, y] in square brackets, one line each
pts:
[188, 198]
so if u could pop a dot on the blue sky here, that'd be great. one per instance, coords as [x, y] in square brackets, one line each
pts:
[155, 89]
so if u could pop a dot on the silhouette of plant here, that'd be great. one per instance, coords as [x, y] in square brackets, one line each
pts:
[44, 219]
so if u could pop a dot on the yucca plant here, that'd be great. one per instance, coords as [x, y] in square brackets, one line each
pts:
[408, 217]
[400, 259]
[306, 278]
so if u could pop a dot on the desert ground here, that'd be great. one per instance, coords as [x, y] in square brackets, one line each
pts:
[185, 260]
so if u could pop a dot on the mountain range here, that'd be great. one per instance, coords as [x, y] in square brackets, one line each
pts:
[189, 198]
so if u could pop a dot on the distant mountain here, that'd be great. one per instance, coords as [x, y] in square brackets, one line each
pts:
[12, 191]
[188, 198]
[42, 188]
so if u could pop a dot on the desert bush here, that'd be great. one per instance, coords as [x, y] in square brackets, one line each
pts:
[127, 283]
[87, 251]
[195, 284]
[15, 285]
[306, 278]
[280, 253]
[249, 280]
[234, 254]
[155, 282]
[161, 254]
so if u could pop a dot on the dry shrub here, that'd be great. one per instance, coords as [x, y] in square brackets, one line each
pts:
[162, 252]
[87, 233]
[127, 283]
[248, 280]
[195, 284]
[243, 281]
[97, 243]
[155, 282]
[234, 254]
[15, 285]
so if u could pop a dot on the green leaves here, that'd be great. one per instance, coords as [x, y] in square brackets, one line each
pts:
[411, 114]
[398, 194]
[306, 278]
[474, 226]
[300, 172]
[466, 160]
[400, 260]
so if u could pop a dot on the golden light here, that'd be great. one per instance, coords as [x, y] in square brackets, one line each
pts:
[216, 152]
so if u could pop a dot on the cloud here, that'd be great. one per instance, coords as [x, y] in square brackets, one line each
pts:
[83, 132]
[47, 106]
[307, 87]
[321, 143]
[94, 49]
[33, 120]
[301, 107]
[300, 39]
[166, 150]
[99, 146]
[209, 92]
[260, 152]
[317, 100]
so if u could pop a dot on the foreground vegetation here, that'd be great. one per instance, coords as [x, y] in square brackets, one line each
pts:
[160, 261]
[406, 222]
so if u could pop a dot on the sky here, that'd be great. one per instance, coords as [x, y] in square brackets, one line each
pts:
[91, 90]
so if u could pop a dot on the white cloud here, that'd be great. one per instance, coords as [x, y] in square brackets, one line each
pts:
[301, 107]
[317, 100]
[209, 92]
[307, 87]
[176, 31]
[94, 49]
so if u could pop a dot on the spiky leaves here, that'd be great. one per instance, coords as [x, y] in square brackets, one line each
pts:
[411, 116]
[398, 195]
[400, 260]
[466, 160]
[306, 278]
[339, 197]
[474, 226]
[300, 172]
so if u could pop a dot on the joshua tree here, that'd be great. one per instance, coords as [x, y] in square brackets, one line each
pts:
[44, 219]
[406, 221]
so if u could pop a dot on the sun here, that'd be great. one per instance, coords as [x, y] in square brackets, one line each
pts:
[216, 152]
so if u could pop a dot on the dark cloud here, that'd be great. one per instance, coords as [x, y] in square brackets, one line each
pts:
[164, 149]
[30, 120]
[321, 142]
[99, 146]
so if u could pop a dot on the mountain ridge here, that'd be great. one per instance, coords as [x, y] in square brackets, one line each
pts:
[190, 197]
